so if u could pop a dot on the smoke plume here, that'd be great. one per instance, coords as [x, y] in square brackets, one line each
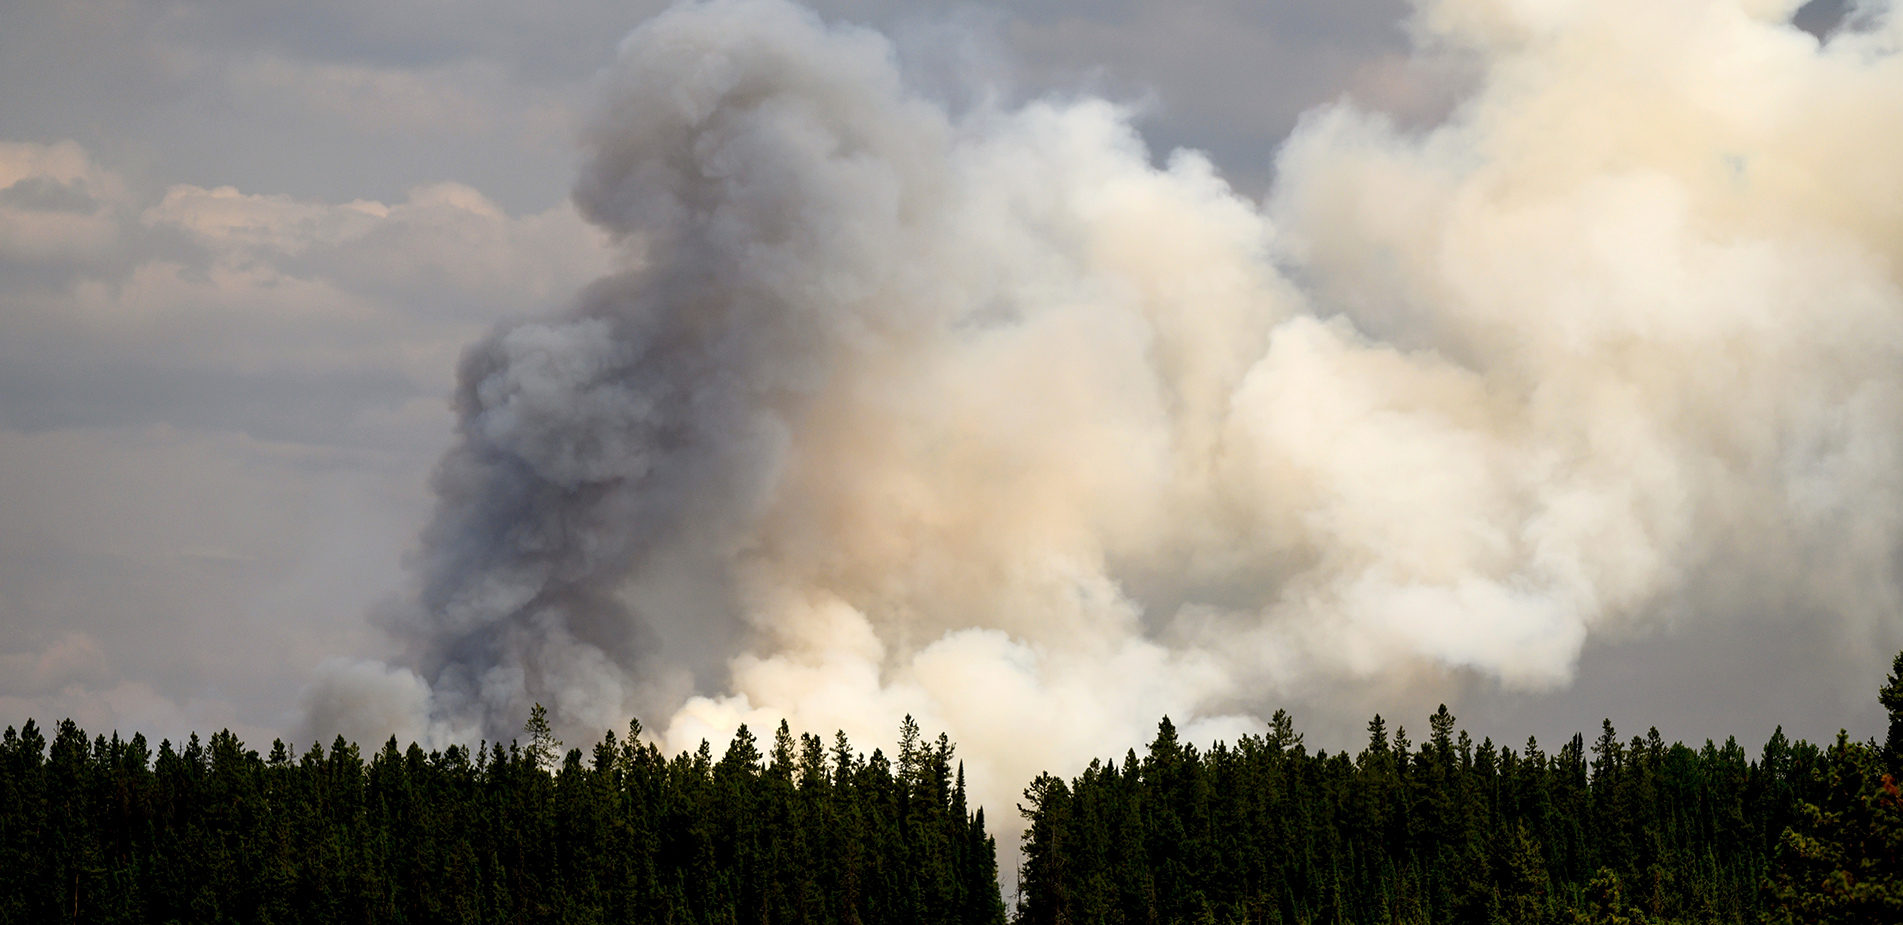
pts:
[987, 418]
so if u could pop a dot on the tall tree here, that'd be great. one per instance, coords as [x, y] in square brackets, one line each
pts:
[544, 749]
[1891, 696]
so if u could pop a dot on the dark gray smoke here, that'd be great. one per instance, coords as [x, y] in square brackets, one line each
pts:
[992, 421]
[648, 414]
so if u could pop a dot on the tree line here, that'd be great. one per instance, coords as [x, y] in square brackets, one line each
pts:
[104, 830]
[1613, 832]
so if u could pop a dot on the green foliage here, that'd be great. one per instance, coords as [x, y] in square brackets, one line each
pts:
[1841, 860]
[106, 831]
[1263, 830]
[1891, 697]
[543, 745]
[1621, 832]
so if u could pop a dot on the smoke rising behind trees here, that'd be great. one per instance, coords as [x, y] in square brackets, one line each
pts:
[902, 367]
[990, 417]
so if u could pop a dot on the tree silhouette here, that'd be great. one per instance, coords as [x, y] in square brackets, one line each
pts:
[544, 748]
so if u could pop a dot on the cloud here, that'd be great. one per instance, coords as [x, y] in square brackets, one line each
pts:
[217, 411]
[269, 313]
[365, 702]
[70, 676]
[352, 99]
[987, 418]
[475, 101]
[55, 204]
[70, 658]
[1557, 369]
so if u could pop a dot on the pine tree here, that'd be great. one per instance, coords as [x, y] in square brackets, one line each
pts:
[1891, 697]
[544, 749]
[1842, 860]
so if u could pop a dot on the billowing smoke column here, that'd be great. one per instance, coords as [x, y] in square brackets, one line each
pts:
[989, 420]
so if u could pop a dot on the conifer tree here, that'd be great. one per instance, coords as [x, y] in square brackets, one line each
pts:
[101, 830]
[543, 748]
[1891, 696]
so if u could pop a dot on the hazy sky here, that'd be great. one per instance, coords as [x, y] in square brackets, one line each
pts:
[242, 245]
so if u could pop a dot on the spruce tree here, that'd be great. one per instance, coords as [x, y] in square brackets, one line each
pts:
[544, 748]
[1891, 696]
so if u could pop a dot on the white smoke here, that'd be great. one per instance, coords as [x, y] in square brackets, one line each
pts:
[987, 419]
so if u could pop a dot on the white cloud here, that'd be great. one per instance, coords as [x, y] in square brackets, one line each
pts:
[990, 419]
[56, 204]
[216, 427]
[1609, 351]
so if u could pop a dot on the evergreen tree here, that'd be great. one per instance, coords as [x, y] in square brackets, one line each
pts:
[1891, 696]
[543, 747]
[1842, 859]
[1447, 831]
[103, 830]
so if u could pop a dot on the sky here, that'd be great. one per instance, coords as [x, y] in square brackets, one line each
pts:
[1338, 356]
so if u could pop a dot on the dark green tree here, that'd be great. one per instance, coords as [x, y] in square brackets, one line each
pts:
[544, 749]
[1891, 696]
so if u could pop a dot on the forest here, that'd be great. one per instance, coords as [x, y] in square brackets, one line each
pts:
[106, 831]
[1258, 831]
[1451, 831]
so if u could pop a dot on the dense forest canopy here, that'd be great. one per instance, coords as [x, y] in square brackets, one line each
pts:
[104, 830]
[1612, 831]
[1453, 831]
[1263, 830]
